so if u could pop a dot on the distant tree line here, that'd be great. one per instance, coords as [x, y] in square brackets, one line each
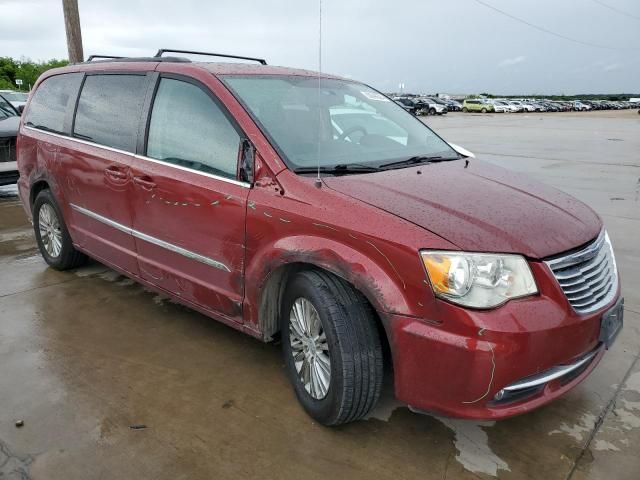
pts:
[24, 69]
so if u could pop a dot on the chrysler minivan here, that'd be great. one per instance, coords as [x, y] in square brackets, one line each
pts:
[311, 208]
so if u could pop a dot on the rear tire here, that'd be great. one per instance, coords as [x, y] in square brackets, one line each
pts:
[340, 346]
[432, 111]
[52, 235]
[484, 110]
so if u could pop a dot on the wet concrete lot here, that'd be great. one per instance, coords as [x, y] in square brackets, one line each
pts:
[86, 355]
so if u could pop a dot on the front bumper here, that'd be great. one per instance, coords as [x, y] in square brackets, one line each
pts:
[8, 173]
[457, 363]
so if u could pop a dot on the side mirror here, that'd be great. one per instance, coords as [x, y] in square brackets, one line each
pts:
[21, 109]
[462, 151]
[246, 161]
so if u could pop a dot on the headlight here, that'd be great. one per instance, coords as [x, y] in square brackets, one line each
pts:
[478, 280]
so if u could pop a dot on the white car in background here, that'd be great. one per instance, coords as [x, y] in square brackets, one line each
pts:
[430, 106]
[501, 107]
[17, 99]
[580, 107]
[524, 107]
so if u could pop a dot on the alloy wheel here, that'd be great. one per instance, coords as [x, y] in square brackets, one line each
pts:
[309, 348]
[50, 230]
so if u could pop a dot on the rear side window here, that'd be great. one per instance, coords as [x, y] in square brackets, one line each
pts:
[53, 99]
[109, 110]
[188, 128]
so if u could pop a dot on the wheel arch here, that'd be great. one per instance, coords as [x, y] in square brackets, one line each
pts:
[268, 272]
[274, 288]
[35, 189]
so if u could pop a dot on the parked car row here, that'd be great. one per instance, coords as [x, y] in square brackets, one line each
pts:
[485, 105]
[423, 105]
[426, 105]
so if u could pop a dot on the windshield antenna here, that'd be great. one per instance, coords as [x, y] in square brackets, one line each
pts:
[318, 181]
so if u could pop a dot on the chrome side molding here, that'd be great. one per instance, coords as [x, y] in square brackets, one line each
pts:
[148, 238]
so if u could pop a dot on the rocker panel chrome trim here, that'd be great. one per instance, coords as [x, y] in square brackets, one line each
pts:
[148, 238]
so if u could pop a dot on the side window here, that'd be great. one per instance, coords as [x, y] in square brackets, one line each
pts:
[109, 110]
[188, 128]
[52, 100]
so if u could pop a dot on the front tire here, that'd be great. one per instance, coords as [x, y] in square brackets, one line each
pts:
[331, 348]
[484, 110]
[52, 235]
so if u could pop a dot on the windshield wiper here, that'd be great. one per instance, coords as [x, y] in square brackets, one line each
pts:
[343, 168]
[416, 159]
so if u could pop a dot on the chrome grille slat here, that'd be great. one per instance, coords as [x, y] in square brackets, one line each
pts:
[603, 277]
[588, 277]
[595, 263]
[584, 285]
[592, 293]
[594, 300]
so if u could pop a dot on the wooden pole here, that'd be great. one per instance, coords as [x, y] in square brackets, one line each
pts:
[72, 26]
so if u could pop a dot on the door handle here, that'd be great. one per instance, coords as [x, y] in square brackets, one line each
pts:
[145, 182]
[115, 172]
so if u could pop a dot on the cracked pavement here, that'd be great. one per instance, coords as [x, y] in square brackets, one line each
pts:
[86, 354]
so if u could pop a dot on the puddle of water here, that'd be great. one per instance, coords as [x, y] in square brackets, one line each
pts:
[603, 445]
[89, 270]
[12, 236]
[472, 443]
[577, 430]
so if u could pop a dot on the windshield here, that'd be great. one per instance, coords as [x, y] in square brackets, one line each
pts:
[330, 122]
[16, 96]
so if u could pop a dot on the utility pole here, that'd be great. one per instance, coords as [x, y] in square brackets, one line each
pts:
[74, 35]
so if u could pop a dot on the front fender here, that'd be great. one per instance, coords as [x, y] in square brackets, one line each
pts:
[369, 269]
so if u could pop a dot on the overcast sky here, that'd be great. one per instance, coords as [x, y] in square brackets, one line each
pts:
[454, 46]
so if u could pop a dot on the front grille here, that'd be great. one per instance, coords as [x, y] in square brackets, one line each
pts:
[7, 149]
[588, 277]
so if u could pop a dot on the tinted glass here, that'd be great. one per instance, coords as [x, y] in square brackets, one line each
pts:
[109, 110]
[188, 128]
[331, 122]
[51, 102]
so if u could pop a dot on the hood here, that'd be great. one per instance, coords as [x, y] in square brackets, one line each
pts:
[9, 126]
[481, 208]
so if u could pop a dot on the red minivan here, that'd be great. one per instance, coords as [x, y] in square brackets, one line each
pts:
[313, 208]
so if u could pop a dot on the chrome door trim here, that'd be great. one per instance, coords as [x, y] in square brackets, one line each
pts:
[148, 238]
[78, 140]
[139, 157]
[186, 169]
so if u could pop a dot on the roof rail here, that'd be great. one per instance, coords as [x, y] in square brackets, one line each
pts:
[109, 59]
[253, 59]
[91, 57]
